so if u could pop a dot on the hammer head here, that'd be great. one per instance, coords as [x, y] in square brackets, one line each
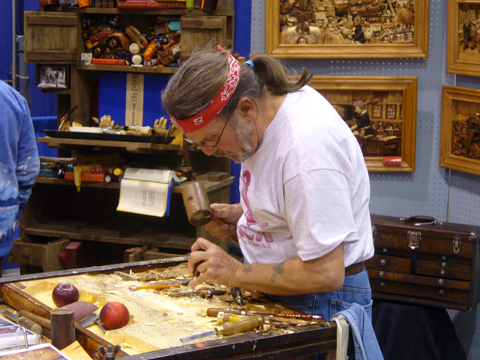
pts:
[196, 203]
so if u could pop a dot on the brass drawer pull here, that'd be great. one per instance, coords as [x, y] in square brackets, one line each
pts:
[383, 262]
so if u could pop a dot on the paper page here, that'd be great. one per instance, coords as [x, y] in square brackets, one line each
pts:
[161, 176]
[144, 197]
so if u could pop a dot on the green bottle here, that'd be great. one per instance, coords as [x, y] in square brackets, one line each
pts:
[190, 4]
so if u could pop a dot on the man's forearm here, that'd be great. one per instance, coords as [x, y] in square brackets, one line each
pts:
[294, 276]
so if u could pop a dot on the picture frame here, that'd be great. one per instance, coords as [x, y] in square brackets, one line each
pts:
[463, 57]
[390, 48]
[459, 144]
[388, 138]
[52, 77]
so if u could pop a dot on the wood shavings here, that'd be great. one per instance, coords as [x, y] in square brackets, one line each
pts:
[260, 306]
[149, 324]
[113, 292]
[125, 276]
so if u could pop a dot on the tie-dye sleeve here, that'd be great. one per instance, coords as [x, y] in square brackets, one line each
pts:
[28, 164]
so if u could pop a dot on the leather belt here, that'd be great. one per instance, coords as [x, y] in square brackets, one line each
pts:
[354, 268]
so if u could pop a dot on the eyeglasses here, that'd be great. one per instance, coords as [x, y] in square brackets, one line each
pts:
[214, 147]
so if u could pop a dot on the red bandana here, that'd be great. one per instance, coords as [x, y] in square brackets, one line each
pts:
[198, 121]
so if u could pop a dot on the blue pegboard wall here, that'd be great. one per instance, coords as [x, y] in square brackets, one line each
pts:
[430, 190]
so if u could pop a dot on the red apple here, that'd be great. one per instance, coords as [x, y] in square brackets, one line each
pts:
[114, 315]
[64, 294]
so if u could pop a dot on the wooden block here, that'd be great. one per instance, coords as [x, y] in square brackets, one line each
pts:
[63, 328]
[213, 176]
[76, 351]
[154, 254]
[137, 254]
[75, 255]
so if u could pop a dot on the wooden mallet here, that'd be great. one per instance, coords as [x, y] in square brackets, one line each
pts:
[197, 206]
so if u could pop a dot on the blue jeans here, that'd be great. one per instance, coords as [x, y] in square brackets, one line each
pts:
[355, 289]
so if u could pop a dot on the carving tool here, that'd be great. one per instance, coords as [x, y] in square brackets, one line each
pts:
[230, 328]
[195, 275]
[22, 321]
[89, 320]
[214, 313]
[223, 318]
[164, 286]
[64, 119]
[237, 296]
[45, 323]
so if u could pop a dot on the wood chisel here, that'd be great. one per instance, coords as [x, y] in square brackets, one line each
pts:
[26, 323]
[237, 296]
[153, 287]
[214, 313]
[230, 328]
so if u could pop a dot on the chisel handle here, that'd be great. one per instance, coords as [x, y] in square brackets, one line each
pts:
[244, 325]
[30, 325]
[38, 319]
[226, 317]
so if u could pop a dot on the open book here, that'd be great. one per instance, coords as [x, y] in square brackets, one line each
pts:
[146, 191]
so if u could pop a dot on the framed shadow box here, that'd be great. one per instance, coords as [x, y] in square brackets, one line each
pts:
[460, 131]
[463, 41]
[347, 28]
[390, 102]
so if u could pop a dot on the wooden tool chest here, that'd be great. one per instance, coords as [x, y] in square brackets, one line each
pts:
[419, 260]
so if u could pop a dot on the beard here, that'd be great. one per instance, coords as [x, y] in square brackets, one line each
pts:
[242, 135]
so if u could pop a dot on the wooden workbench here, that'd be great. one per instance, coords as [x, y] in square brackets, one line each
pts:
[156, 326]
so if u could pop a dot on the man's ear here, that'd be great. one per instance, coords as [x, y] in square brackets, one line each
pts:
[247, 107]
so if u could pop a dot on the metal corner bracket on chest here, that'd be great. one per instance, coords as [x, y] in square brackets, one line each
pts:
[424, 261]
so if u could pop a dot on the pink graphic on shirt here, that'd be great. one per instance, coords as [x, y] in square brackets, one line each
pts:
[257, 236]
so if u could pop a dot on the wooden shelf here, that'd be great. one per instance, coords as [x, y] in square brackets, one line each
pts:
[210, 186]
[118, 233]
[139, 147]
[113, 11]
[130, 69]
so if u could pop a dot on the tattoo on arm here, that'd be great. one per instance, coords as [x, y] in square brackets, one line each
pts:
[247, 270]
[277, 270]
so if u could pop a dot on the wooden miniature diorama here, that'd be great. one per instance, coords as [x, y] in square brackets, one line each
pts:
[345, 28]
[463, 37]
[381, 113]
[460, 136]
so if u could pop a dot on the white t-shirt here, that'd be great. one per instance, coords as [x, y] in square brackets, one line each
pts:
[306, 189]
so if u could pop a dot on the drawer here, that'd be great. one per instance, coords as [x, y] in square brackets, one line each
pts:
[390, 263]
[420, 291]
[36, 251]
[444, 269]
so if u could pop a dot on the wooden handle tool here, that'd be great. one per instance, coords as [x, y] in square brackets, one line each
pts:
[230, 328]
[197, 205]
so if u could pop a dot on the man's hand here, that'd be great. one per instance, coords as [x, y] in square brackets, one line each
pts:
[229, 214]
[214, 264]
